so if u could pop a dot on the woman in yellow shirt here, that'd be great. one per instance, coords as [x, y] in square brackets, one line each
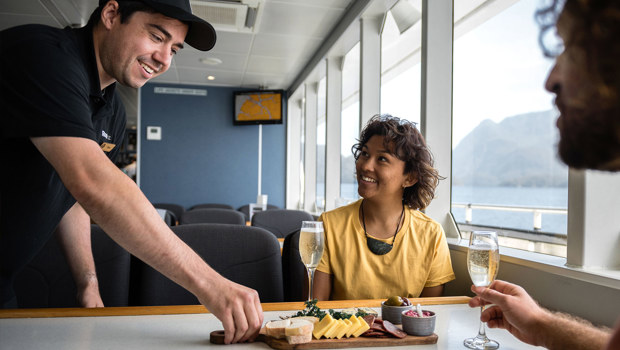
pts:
[382, 245]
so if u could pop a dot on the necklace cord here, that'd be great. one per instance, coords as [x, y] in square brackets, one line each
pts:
[402, 213]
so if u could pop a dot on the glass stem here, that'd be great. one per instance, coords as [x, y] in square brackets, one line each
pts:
[311, 282]
[482, 331]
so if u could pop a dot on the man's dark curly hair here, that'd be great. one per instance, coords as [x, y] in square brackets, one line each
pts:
[594, 28]
[407, 144]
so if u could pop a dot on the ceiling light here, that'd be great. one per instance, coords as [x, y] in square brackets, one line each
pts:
[210, 77]
[211, 61]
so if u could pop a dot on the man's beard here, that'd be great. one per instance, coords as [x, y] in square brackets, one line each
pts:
[589, 139]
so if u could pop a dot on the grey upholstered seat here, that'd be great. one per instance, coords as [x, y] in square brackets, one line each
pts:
[213, 216]
[246, 255]
[245, 209]
[47, 280]
[280, 222]
[212, 205]
[176, 209]
[294, 274]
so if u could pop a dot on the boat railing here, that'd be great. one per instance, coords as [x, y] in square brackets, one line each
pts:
[536, 211]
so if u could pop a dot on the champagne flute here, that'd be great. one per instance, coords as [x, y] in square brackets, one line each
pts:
[311, 244]
[482, 264]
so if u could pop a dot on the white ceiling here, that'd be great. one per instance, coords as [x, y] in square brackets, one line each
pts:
[286, 35]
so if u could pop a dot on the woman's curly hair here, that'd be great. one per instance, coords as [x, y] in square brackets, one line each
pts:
[594, 29]
[406, 142]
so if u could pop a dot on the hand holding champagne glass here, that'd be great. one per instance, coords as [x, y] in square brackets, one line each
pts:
[482, 264]
[311, 244]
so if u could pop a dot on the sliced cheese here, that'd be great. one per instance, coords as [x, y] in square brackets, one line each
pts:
[345, 328]
[363, 328]
[355, 324]
[323, 326]
[334, 330]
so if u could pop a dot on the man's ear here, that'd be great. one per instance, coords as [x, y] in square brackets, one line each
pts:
[110, 14]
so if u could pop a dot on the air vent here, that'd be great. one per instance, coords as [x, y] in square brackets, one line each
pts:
[230, 16]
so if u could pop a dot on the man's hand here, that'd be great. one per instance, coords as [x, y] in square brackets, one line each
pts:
[238, 308]
[88, 291]
[514, 310]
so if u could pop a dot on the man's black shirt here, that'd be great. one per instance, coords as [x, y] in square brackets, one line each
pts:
[49, 86]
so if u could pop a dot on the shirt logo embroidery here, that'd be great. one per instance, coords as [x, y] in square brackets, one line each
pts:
[105, 135]
[107, 147]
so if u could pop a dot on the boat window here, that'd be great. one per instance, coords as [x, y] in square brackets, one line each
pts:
[350, 125]
[505, 171]
[321, 134]
[400, 62]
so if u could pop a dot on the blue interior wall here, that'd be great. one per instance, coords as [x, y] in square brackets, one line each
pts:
[202, 157]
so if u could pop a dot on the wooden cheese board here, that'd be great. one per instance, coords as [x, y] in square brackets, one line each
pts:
[217, 337]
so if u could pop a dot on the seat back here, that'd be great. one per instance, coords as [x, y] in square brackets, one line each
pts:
[47, 281]
[212, 216]
[294, 275]
[245, 209]
[281, 222]
[246, 255]
[212, 205]
[177, 209]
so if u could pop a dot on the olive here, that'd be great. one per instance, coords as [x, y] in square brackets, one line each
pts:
[394, 301]
[406, 302]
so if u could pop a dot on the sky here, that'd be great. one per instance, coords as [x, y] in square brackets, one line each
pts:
[499, 71]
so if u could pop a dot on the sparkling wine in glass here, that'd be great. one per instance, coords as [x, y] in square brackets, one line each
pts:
[482, 264]
[311, 244]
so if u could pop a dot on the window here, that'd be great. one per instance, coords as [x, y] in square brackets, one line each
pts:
[400, 66]
[505, 172]
[350, 124]
[302, 153]
[321, 134]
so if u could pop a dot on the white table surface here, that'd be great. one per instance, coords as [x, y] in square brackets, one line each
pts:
[455, 322]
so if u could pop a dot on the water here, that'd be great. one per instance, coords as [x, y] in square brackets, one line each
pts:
[522, 196]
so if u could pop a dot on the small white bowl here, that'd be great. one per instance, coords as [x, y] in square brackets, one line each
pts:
[419, 326]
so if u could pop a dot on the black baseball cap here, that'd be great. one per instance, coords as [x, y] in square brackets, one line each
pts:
[200, 34]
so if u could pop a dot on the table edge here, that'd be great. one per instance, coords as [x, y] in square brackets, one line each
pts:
[199, 309]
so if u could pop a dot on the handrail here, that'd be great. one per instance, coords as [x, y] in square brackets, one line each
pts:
[536, 211]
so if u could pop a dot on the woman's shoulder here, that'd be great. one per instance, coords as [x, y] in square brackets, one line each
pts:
[341, 212]
[421, 219]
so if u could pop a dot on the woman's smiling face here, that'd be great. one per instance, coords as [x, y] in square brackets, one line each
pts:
[380, 174]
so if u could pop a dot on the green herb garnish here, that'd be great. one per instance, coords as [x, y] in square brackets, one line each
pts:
[313, 310]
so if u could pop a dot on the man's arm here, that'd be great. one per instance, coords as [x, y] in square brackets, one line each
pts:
[517, 312]
[73, 232]
[115, 202]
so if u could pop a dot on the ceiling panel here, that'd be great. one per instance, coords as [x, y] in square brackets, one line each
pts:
[288, 34]
[298, 20]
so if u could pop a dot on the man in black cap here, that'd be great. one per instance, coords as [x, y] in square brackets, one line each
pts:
[61, 125]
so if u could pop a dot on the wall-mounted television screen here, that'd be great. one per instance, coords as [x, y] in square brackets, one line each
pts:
[258, 107]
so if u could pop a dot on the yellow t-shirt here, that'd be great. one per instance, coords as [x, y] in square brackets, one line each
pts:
[420, 257]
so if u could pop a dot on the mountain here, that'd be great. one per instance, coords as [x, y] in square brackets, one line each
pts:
[519, 151]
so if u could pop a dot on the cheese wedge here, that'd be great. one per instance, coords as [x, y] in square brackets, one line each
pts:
[355, 324]
[333, 330]
[323, 326]
[363, 328]
[344, 329]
